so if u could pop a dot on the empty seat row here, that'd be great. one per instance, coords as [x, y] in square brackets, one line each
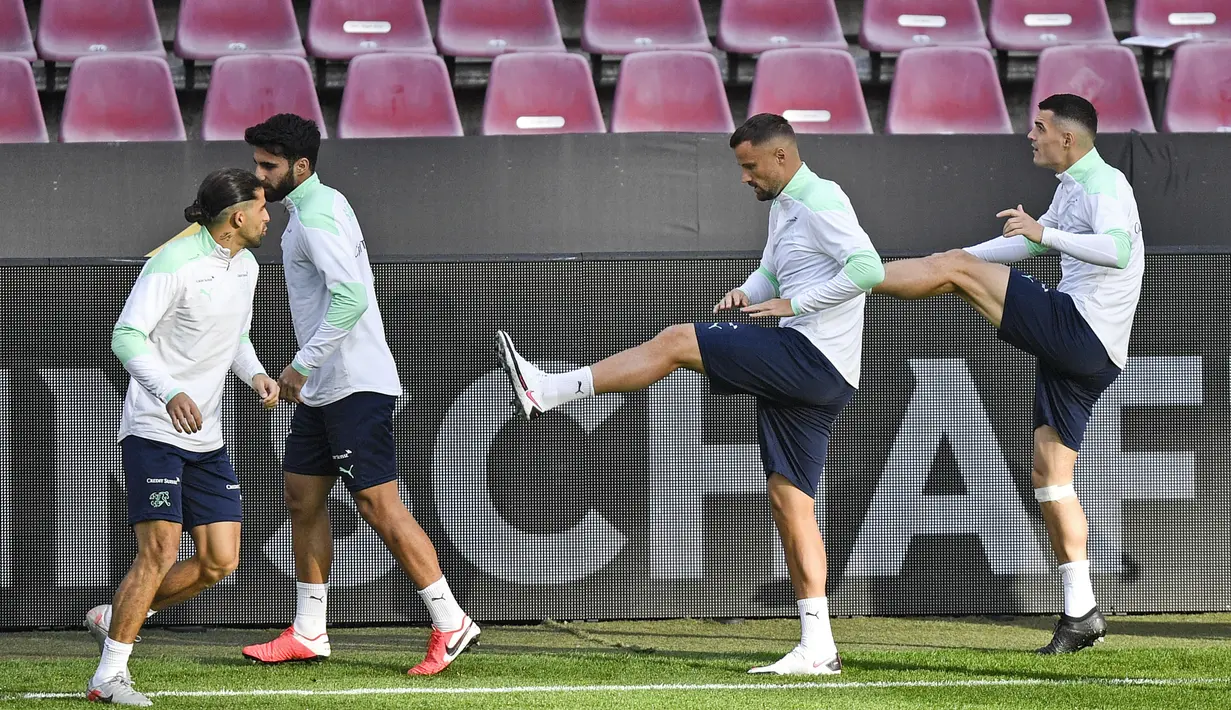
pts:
[957, 90]
[115, 97]
[343, 29]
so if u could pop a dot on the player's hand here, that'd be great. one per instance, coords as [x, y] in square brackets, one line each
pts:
[266, 389]
[773, 308]
[1020, 223]
[735, 298]
[290, 382]
[184, 414]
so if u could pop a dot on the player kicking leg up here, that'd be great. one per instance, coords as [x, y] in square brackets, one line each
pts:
[345, 385]
[177, 472]
[815, 270]
[1079, 331]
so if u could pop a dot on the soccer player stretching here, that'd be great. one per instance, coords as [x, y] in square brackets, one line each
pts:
[185, 324]
[345, 384]
[1078, 331]
[815, 271]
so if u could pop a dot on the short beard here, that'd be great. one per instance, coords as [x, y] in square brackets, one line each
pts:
[278, 192]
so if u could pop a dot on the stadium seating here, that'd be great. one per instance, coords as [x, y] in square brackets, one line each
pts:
[816, 89]
[120, 97]
[15, 39]
[1035, 25]
[670, 91]
[209, 29]
[1199, 96]
[1200, 19]
[1107, 76]
[896, 25]
[68, 29]
[539, 93]
[21, 114]
[344, 29]
[487, 28]
[625, 26]
[249, 88]
[755, 26]
[395, 95]
[946, 90]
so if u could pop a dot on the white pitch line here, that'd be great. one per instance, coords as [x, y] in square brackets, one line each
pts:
[855, 685]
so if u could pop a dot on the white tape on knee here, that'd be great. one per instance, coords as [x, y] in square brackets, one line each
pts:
[1048, 494]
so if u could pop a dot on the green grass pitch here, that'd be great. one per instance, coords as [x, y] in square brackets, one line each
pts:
[1147, 662]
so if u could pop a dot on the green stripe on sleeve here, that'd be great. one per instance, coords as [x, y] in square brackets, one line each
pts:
[300, 367]
[1124, 247]
[864, 269]
[347, 303]
[1035, 248]
[769, 275]
[127, 343]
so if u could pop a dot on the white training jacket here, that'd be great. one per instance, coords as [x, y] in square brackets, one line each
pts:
[1093, 223]
[821, 259]
[184, 326]
[342, 348]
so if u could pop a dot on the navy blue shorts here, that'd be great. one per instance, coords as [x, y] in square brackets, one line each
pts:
[166, 482]
[351, 438]
[799, 393]
[1073, 366]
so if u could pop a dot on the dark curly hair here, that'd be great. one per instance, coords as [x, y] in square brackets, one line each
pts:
[287, 135]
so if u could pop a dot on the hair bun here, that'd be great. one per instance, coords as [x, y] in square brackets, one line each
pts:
[195, 213]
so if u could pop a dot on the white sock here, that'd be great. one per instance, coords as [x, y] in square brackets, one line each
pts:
[310, 608]
[114, 661]
[1078, 592]
[446, 614]
[562, 388]
[815, 634]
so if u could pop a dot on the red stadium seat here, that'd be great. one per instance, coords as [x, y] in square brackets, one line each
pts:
[946, 90]
[15, 40]
[488, 28]
[627, 26]
[398, 95]
[1198, 19]
[209, 29]
[1035, 25]
[344, 29]
[1199, 96]
[120, 97]
[21, 115]
[755, 26]
[670, 91]
[895, 25]
[541, 93]
[249, 88]
[817, 90]
[68, 29]
[1107, 76]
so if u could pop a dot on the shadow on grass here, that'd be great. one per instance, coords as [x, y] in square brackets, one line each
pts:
[1120, 625]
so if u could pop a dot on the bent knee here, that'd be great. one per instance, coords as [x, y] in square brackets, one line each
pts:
[215, 569]
[679, 334]
[680, 341]
[958, 262]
